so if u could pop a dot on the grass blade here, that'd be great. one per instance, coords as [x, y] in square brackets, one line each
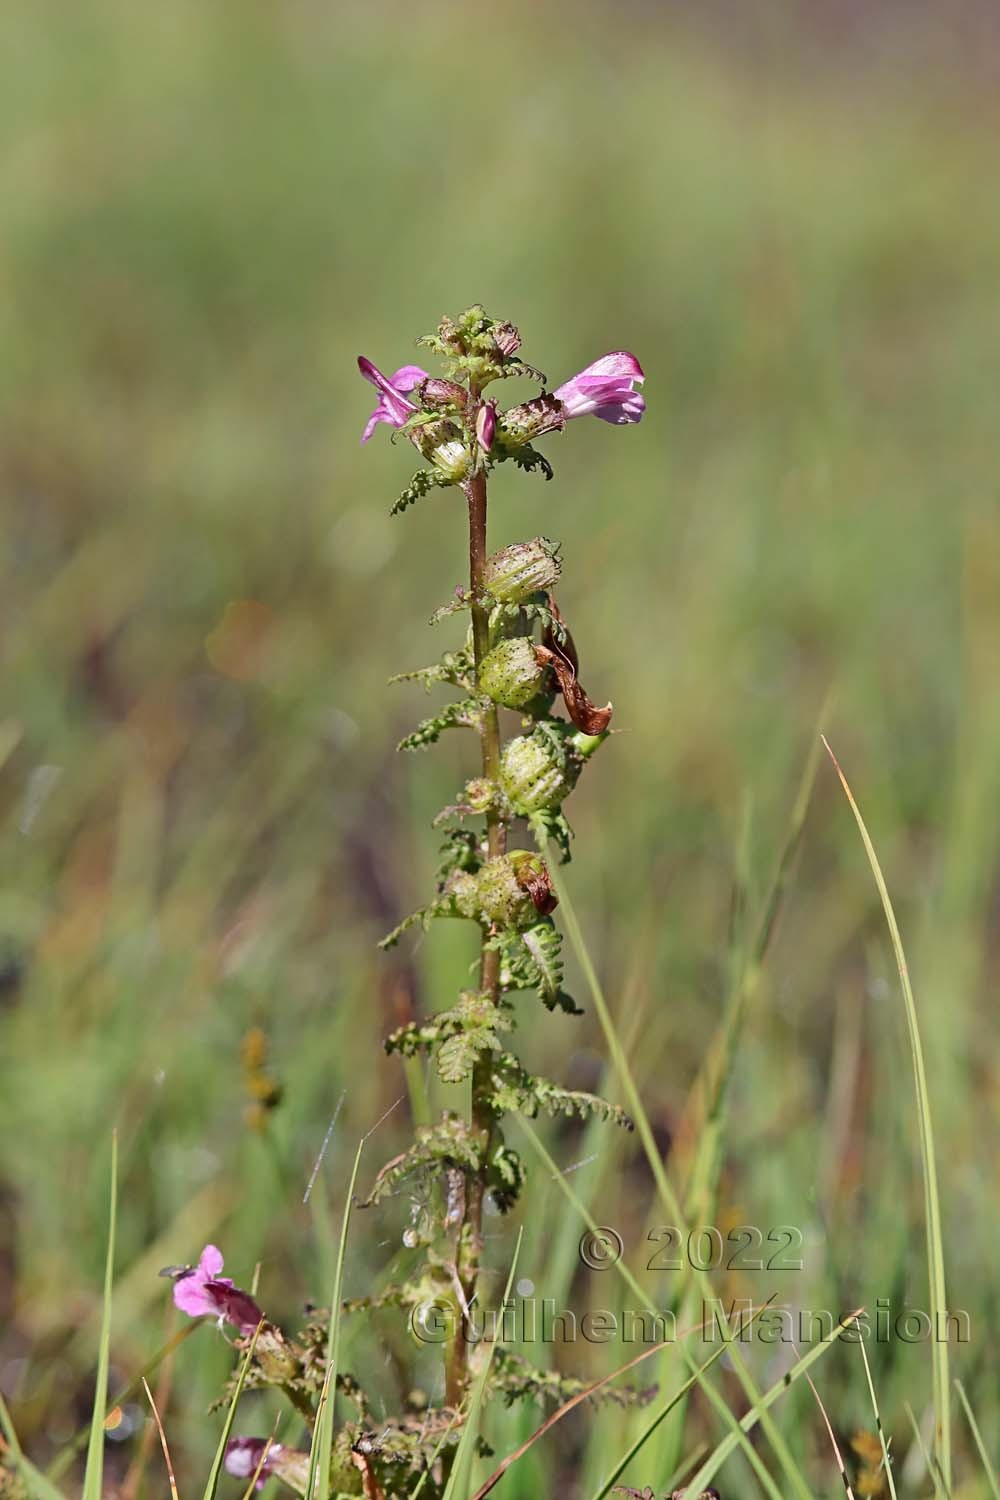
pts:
[638, 1291]
[988, 1468]
[584, 1395]
[94, 1472]
[321, 1448]
[461, 1470]
[664, 1187]
[716, 1075]
[929, 1463]
[38, 1486]
[886, 1460]
[212, 1483]
[932, 1207]
[841, 1466]
[68, 1452]
[717, 1458]
[251, 1488]
[171, 1479]
[698, 1377]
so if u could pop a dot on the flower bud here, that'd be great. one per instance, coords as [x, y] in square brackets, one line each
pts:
[511, 673]
[479, 794]
[520, 570]
[486, 425]
[507, 338]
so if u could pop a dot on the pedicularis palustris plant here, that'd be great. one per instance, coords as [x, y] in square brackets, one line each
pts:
[517, 656]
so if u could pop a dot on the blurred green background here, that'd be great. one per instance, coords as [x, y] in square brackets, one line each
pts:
[208, 212]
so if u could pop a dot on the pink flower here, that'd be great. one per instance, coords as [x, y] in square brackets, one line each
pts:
[243, 1454]
[393, 406]
[606, 389]
[202, 1292]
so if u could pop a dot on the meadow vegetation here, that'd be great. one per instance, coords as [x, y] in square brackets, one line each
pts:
[209, 212]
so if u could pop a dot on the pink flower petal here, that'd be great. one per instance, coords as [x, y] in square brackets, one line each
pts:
[393, 406]
[605, 389]
[211, 1261]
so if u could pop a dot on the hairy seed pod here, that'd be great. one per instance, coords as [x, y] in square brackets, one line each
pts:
[536, 773]
[520, 570]
[539, 770]
[533, 419]
[463, 888]
[513, 889]
[511, 673]
[452, 459]
[441, 395]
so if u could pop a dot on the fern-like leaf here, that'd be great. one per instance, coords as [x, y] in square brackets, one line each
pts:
[504, 1176]
[550, 825]
[462, 600]
[555, 1100]
[455, 668]
[449, 1143]
[460, 851]
[460, 1035]
[423, 481]
[544, 944]
[514, 1379]
[529, 459]
[422, 917]
[462, 714]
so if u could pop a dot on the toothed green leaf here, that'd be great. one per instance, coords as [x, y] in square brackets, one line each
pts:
[447, 1144]
[423, 481]
[462, 714]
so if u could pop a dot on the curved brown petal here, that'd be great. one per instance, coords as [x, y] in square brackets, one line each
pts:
[584, 713]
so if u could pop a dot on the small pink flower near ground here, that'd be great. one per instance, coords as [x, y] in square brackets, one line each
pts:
[243, 1454]
[202, 1292]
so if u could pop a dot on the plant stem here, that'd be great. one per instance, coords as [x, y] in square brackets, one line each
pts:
[469, 1243]
[489, 733]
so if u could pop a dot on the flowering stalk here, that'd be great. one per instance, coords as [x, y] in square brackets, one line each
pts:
[529, 777]
[519, 657]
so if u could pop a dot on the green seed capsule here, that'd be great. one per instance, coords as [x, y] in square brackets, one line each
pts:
[501, 899]
[514, 888]
[463, 888]
[536, 773]
[509, 891]
[511, 674]
[520, 570]
[539, 770]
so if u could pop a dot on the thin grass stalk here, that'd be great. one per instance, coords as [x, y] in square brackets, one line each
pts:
[932, 1206]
